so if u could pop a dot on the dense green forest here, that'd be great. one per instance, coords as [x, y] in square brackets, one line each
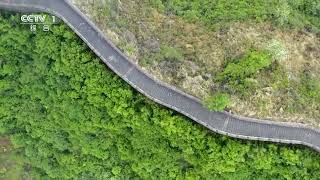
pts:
[73, 118]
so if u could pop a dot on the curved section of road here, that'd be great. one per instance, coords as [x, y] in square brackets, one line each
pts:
[220, 122]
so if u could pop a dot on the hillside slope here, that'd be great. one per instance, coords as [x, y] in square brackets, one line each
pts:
[189, 44]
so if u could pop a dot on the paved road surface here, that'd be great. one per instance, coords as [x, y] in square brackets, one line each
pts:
[220, 122]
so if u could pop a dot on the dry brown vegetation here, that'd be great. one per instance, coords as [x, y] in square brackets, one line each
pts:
[143, 34]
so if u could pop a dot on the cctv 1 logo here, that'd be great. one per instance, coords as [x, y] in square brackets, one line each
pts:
[38, 19]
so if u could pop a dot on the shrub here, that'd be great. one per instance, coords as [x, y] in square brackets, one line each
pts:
[277, 50]
[282, 13]
[170, 53]
[239, 75]
[244, 68]
[217, 102]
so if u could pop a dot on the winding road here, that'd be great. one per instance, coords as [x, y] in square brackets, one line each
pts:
[220, 122]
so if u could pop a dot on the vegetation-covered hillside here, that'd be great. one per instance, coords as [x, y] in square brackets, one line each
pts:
[190, 44]
[74, 119]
